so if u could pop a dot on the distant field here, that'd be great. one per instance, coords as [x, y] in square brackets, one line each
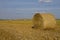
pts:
[25, 31]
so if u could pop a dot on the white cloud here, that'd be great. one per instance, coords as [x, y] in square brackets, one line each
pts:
[45, 0]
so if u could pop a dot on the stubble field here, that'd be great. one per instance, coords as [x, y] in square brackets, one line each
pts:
[22, 30]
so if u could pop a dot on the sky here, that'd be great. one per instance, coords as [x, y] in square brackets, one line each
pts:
[19, 9]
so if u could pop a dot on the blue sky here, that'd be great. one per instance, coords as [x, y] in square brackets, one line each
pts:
[15, 9]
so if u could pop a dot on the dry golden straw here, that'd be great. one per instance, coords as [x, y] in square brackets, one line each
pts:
[8, 35]
[44, 20]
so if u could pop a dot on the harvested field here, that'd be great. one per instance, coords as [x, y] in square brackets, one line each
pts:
[22, 30]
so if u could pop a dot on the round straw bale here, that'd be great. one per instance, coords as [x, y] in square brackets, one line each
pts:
[45, 20]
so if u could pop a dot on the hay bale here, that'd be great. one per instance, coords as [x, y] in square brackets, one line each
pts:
[44, 20]
[8, 35]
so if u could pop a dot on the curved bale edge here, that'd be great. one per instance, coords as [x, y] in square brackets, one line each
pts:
[37, 20]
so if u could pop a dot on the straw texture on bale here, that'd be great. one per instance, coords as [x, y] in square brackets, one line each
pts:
[44, 20]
